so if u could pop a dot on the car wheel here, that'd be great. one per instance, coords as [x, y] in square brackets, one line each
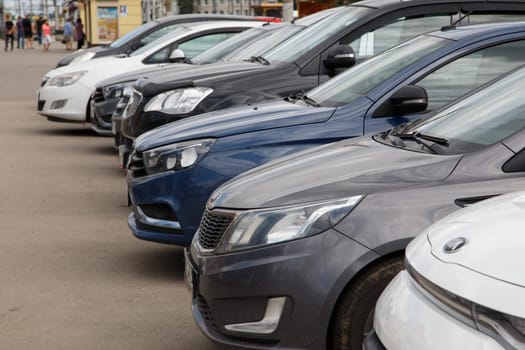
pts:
[354, 315]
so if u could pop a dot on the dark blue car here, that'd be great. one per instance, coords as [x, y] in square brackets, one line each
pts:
[175, 168]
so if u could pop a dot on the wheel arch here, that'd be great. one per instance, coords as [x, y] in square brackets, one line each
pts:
[354, 272]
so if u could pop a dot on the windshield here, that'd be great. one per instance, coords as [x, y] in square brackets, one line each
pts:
[227, 46]
[482, 119]
[314, 35]
[360, 79]
[133, 34]
[166, 39]
[264, 44]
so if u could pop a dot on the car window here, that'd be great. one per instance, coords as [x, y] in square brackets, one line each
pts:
[471, 71]
[360, 79]
[160, 56]
[133, 34]
[401, 29]
[297, 45]
[195, 46]
[217, 52]
[484, 118]
[158, 33]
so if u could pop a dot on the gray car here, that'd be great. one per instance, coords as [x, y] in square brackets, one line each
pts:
[294, 254]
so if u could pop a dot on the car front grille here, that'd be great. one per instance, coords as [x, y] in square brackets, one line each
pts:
[212, 228]
[206, 312]
[136, 165]
[133, 104]
[41, 104]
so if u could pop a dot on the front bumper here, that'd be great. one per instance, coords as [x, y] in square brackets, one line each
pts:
[101, 113]
[405, 318]
[68, 103]
[235, 288]
[167, 198]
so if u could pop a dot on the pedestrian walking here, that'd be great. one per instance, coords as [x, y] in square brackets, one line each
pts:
[68, 34]
[28, 31]
[9, 30]
[46, 34]
[20, 39]
[79, 33]
[39, 23]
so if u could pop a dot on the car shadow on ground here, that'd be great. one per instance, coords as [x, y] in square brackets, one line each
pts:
[63, 132]
[162, 264]
[104, 150]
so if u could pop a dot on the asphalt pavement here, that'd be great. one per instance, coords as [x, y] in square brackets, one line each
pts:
[71, 274]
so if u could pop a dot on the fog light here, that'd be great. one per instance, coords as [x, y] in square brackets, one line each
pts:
[269, 322]
[58, 104]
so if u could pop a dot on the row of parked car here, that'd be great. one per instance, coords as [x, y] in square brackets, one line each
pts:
[297, 161]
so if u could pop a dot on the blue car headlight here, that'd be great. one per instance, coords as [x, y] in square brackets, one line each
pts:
[254, 228]
[176, 156]
[179, 101]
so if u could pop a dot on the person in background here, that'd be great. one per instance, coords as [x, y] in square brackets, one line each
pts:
[46, 34]
[79, 33]
[28, 31]
[9, 27]
[39, 23]
[68, 34]
[20, 42]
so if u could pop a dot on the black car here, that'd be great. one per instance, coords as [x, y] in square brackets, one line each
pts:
[108, 92]
[295, 253]
[302, 62]
[143, 35]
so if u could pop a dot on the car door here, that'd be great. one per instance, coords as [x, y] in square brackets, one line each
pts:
[454, 76]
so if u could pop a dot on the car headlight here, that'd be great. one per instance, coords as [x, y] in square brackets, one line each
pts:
[508, 330]
[84, 57]
[255, 228]
[66, 79]
[176, 156]
[117, 90]
[178, 101]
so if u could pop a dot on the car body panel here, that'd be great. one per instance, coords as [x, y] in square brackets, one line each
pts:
[393, 210]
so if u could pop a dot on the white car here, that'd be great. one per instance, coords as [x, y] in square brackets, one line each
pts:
[65, 92]
[464, 287]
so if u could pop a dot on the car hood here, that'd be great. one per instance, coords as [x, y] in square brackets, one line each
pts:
[494, 235]
[234, 121]
[103, 63]
[142, 72]
[205, 75]
[342, 169]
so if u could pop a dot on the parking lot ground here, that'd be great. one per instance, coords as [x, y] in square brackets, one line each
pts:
[71, 274]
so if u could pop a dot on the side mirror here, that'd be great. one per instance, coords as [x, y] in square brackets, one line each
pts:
[177, 55]
[407, 100]
[341, 56]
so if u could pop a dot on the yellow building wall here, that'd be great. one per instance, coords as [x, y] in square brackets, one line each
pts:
[96, 28]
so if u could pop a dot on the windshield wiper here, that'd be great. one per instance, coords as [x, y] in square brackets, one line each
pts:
[302, 97]
[415, 137]
[260, 60]
[439, 140]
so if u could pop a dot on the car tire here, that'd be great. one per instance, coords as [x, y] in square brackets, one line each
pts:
[354, 314]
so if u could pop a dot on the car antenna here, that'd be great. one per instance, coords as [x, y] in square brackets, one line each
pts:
[455, 23]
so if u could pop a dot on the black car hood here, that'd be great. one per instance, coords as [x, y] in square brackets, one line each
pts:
[143, 72]
[234, 121]
[205, 75]
[342, 169]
